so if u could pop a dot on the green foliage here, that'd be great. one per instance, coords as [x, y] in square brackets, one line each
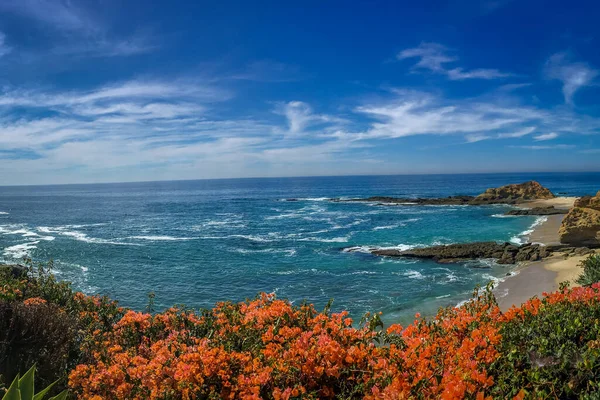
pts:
[44, 322]
[591, 270]
[553, 353]
[22, 388]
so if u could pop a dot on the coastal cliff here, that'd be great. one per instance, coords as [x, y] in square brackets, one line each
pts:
[581, 226]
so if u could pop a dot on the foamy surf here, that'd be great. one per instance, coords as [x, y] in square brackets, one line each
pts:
[161, 238]
[20, 250]
[522, 237]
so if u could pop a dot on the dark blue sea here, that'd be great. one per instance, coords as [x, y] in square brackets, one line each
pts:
[199, 242]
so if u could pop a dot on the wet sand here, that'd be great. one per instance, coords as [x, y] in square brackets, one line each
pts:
[535, 278]
[547, 232]
[558, 202]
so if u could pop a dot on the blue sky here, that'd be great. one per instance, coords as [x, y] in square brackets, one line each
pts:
[104, 91]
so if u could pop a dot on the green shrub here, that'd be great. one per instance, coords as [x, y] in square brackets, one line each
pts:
[40, 334]
[591, 270]
[552, 349]
[23, 388]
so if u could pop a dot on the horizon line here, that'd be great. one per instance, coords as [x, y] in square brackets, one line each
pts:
[298, 177]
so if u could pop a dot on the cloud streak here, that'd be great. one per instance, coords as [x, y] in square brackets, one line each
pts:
[573, 75]
[434, 57]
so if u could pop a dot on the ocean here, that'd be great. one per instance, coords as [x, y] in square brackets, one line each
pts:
[200, 242]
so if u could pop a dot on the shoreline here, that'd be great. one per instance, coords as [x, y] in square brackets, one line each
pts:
[534, 278]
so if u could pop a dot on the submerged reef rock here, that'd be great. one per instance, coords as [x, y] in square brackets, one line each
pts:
[581, 226]
[509, 194]
[551, 210]
[503, 253]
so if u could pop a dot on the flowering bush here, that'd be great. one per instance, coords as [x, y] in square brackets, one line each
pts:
[269, 348]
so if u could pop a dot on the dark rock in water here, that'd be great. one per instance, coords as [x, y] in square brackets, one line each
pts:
[504, 253]
[452, 200]
[15, 270]
[551, 210]
[291, 199]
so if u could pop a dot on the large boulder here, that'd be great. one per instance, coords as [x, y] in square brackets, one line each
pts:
[580, 227]
[514, 193]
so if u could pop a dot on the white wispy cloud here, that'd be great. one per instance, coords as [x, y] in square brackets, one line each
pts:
[546, 136]
[76, 30]
[4, 48]
[476, 138]
[548, 147]
[517, 134]
[428, 114]
[300, 117]
[434, 57]
[573, 75]
[57, 14]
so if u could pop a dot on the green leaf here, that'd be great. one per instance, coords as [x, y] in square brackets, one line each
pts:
[61, 396]
[26, 384]
[40, 395]
[13, 392]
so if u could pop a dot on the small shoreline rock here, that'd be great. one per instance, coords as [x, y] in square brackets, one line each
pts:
[550, 210]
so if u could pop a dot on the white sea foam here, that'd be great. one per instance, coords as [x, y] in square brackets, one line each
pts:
[413, 274]
[161, 238]
[522, 237]
[504, 216]
[368, 249]
[315, 199]
[325, 240]
[287, 252]
[79, 236]
[351, 224]
[3, 213]
[20, 250]
[379, 228]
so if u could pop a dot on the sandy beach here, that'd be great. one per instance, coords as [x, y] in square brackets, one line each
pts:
[534, 278]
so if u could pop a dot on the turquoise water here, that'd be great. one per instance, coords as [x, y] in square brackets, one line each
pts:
[199, 242]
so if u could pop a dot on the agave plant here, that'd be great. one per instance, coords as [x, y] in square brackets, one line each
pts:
[22, 388]
[591, 270]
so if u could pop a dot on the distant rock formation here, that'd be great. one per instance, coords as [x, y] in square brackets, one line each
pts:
[503, 253]
[581, 226]
[441, 201]
[509, 194]
[551, 210]
[515, 193]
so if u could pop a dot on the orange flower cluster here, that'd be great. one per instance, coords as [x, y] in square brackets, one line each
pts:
[34, 301]
[267, 348]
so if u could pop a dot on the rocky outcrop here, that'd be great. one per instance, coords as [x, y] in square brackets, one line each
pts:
[580, 227]
[592, 202]
[14, 270]
[515, 193]
[509, 194]
[503, 253]
[551, 210]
